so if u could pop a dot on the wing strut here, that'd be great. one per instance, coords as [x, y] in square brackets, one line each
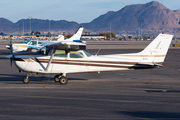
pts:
[50, 60]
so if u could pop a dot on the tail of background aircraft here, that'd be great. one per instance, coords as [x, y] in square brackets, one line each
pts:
[60, 38]
[156, 51]
[77, 35]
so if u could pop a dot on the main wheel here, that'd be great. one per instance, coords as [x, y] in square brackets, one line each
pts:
[63, 80]
[56, 78]
[26, 80]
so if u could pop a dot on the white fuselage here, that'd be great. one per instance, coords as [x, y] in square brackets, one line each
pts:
[38, 63]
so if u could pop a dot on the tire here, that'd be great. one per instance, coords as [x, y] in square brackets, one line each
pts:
[26, 80]
[63, 80]
[56, 78]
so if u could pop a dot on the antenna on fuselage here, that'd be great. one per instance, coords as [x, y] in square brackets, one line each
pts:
[97, 52]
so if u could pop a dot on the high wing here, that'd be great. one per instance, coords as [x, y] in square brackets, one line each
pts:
[68, 45]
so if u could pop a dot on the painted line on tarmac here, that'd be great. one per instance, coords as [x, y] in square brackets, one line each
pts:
[41, 84]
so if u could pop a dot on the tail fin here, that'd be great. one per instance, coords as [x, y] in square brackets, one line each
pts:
[77, 35]
[156, 51]
[60, 38]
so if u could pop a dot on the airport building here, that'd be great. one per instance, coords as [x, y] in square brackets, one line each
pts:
[93, 37]
[27, 37]
[46, 37]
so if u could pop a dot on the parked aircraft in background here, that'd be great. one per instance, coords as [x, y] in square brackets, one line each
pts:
[36, 44]
[60, 38]
[66, 57]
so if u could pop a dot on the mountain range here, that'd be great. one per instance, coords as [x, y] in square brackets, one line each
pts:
[152, 18]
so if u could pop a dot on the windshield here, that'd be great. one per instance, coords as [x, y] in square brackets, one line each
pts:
[32, 43]
[87, 54]
[76, 54]
[25, 41]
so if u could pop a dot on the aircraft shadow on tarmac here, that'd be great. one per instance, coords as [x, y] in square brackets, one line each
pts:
[11, 77]
[5, 52]
[150, 114]
[3, 58]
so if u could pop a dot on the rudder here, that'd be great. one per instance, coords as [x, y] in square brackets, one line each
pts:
[156, 51]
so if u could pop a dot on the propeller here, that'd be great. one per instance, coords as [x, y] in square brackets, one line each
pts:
[11, 49]
[11, 52]
[12, 58]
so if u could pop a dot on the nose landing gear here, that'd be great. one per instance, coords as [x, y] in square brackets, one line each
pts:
[26, 79]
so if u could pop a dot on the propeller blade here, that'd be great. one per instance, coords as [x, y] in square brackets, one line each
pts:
[10, 41]
[11, 61]
[11, 49]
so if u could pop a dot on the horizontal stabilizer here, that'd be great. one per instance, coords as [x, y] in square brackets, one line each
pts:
[146, 64]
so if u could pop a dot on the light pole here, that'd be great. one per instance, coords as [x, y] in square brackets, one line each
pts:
[23, 31]
[110, 30]
[49, 29]
[30, 25]
[49, 26]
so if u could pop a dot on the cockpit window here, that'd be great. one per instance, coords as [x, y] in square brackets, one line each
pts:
[32, 43]
[25, 41]
[76, 54]
[60, 53]
[87, 54]
[40, 44]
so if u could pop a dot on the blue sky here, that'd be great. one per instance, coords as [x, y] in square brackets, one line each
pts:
[80, 11]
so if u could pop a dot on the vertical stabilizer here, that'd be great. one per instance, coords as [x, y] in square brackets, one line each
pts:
[60, 38]
[77, 35]
[156, 51]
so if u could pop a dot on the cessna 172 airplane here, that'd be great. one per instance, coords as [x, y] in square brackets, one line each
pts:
[69, 57]
[36, 44]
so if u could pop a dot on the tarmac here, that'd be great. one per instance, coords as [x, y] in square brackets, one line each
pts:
[151, 94]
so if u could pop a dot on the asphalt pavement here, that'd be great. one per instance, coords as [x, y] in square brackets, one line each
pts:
[123, 95]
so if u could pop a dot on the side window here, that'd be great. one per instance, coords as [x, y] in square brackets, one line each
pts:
[32, 43]
[40, 44]
[76, 54]
[60, 53]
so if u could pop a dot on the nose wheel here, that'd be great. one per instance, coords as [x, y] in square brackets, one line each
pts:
[26, 80]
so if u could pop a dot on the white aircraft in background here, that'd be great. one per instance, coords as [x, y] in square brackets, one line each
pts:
[36, 44]
[60, 38]
[69, 57]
